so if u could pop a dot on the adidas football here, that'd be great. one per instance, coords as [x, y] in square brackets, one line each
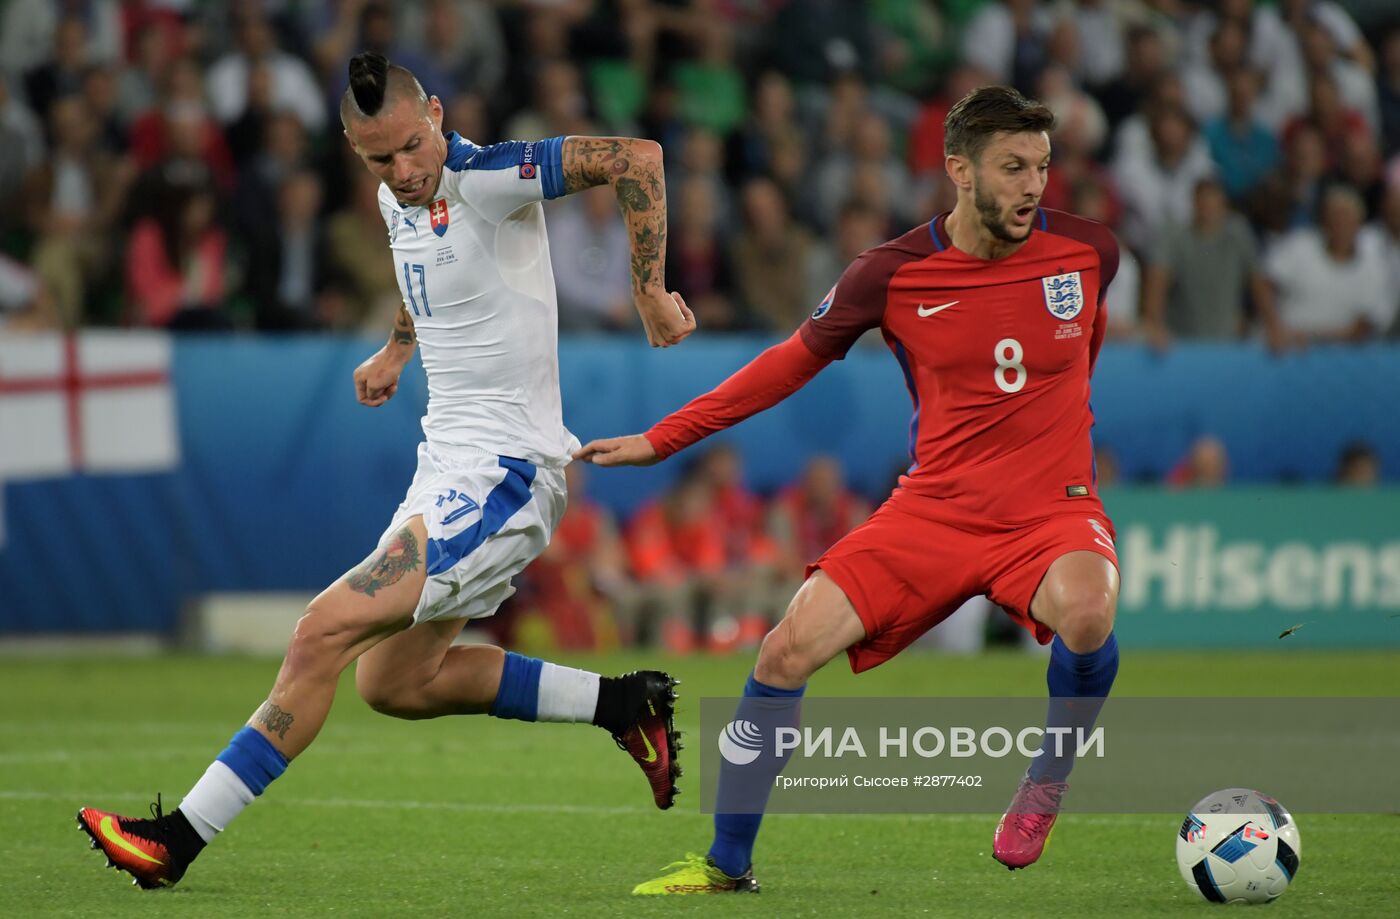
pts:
[1238, 846]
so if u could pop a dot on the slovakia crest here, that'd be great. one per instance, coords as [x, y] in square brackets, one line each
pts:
[393, 227]
[1064, 295]
[437, 213]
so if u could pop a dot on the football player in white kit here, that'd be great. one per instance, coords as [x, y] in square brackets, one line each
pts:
[467, 236]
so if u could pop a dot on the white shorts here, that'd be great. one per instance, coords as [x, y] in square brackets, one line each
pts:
[487, 517]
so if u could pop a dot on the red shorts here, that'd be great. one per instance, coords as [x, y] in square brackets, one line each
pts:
[916, 560]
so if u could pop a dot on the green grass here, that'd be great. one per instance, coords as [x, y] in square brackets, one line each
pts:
[475, 817]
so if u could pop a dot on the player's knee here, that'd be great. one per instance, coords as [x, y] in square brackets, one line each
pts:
[1086, 618]
[393, 698]
[318, 642]
[782, 661]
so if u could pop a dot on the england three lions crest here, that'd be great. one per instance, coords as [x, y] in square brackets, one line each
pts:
[1064, 295]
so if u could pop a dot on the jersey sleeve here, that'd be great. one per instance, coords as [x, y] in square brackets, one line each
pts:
[761, 383]
[854, 306]
[499, 179]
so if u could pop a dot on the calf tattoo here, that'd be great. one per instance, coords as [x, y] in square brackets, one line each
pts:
[274, 719]
[388, 566]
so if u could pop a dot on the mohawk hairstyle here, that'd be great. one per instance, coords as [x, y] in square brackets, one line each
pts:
[374, 84]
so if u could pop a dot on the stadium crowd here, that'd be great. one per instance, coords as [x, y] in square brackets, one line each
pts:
[177, 164]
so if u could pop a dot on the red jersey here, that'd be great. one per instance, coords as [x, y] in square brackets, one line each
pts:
[996, 355]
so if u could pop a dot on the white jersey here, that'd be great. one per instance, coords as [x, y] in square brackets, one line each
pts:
[473, 268]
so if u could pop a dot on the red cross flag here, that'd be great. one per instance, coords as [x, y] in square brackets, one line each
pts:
[92, 402]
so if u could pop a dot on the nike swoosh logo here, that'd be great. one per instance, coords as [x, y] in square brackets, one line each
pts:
[930, 310]
[110, 834]
[651, 751]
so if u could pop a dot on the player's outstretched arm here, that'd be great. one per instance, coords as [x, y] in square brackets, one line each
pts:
[377, 379]
[761, 383]
[633, 168]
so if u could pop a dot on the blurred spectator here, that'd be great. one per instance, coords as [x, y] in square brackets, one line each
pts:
[287, 261]
[282, 150]
[592, 262]
[1346, 36]
[375, 29]
[179, 126]
[21, 149]
[772, 120]
[1205, 465]
[99, 91]
[1356, 88]
[293, 84]
[1201, 273]
[1080, 130]
[369, 289]
[579, 586]
[73, 199]
[1157, 184]
[859, 227]
[139, 84]
[815, 40]
[1288, 197]
[558, 107]
[1329, 286]
[1101, 25]
[1206, 85]
[1147, 63]
[809, 517]
[756, 598]
[712, 92]
[175, 262]
[462, 39]
[1007, 40]
[1330, 115]
[926, 135]
[1091, 199]
[1358, 465]
[677, 552]
[770, 255]
[697, 262]
[29, 28]
[25, 304]
[870, 148]
[1389, 93]
[700, 159]
[1243, 148]
[61, 74]
[1383, 234]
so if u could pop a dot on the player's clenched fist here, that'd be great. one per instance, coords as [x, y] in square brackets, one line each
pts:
[632, 450]
[665, 317]
[377, 379]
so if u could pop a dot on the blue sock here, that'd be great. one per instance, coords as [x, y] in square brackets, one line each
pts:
[519, 694]
[732, 849]
[1071, 677]
[254, 759]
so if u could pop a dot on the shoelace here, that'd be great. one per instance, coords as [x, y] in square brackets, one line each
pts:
[691, 860]
[150, 829]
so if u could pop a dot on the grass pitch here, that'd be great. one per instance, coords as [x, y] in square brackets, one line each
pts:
[476, 817]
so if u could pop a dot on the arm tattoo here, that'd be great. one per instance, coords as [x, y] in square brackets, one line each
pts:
[404, 333]
[387, 566]
[274, 719]
[638, 179]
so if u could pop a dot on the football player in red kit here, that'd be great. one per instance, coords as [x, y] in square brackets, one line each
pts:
[995, 314]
